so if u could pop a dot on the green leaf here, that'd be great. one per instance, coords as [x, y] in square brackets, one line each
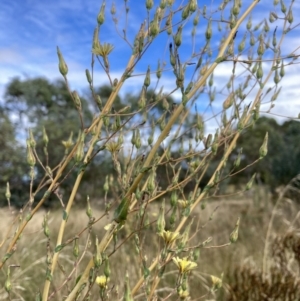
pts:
[59, 248]
[65, 215]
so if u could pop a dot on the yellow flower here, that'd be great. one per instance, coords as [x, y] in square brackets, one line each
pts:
[68, 143]
[183, 294]
[216, 282]
[103, 50]
[113, 146]
[102, 281]
[184, 265]
[183, 203]
[169, 236]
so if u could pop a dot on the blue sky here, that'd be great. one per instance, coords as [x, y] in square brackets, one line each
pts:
[30, 30]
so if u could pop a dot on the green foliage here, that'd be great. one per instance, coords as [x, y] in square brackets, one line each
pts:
[282, 163]
[12, 161]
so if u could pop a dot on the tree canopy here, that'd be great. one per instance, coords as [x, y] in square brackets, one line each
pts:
[40, 104]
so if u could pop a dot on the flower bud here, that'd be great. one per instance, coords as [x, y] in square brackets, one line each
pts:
[252, 40]
[174, 198]
[163, 4]
[97, 257]
[7, 284]
[161, 121]
[208, 33]
[237, 161]
[106, 185]
[283, 7]
[149, 4]
[150, 138]
[160, 224]
[215, 144]
[236, 9]
[113, 9]
[80, 148]
[99, 102]
[185, 12]
[259, 72]
[158, 71]
[7, 192]
[264, 148]
[193, 6]
[76, 248]
[88, 76]
[250, 183]
[249, 23]
[45, 137]
[142, 99]
[290, 17]
[256, 112]
[178, 36]
[30, 156]
[154, 28]
[241, 46]
[31, 140]
[173, 217]
[228, 102]
[88, 208]
[196, 20]
[208, 141]
[101, 17]
[235, 233]
[147, 78]
[62, 66]
[77, 100]
[138, 142]
[261, 47]
[45, 225]
[276, 77]
[282, 72]
[151, 182]
[107, 268]
[133, 138]
[233, 20]
[272, 17]
[169, 23]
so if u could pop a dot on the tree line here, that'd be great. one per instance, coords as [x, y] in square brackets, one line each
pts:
[44, 106]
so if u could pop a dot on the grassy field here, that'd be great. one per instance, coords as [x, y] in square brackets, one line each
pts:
[241, 263]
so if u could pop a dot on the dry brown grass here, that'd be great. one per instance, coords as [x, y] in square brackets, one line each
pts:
[235, 261]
